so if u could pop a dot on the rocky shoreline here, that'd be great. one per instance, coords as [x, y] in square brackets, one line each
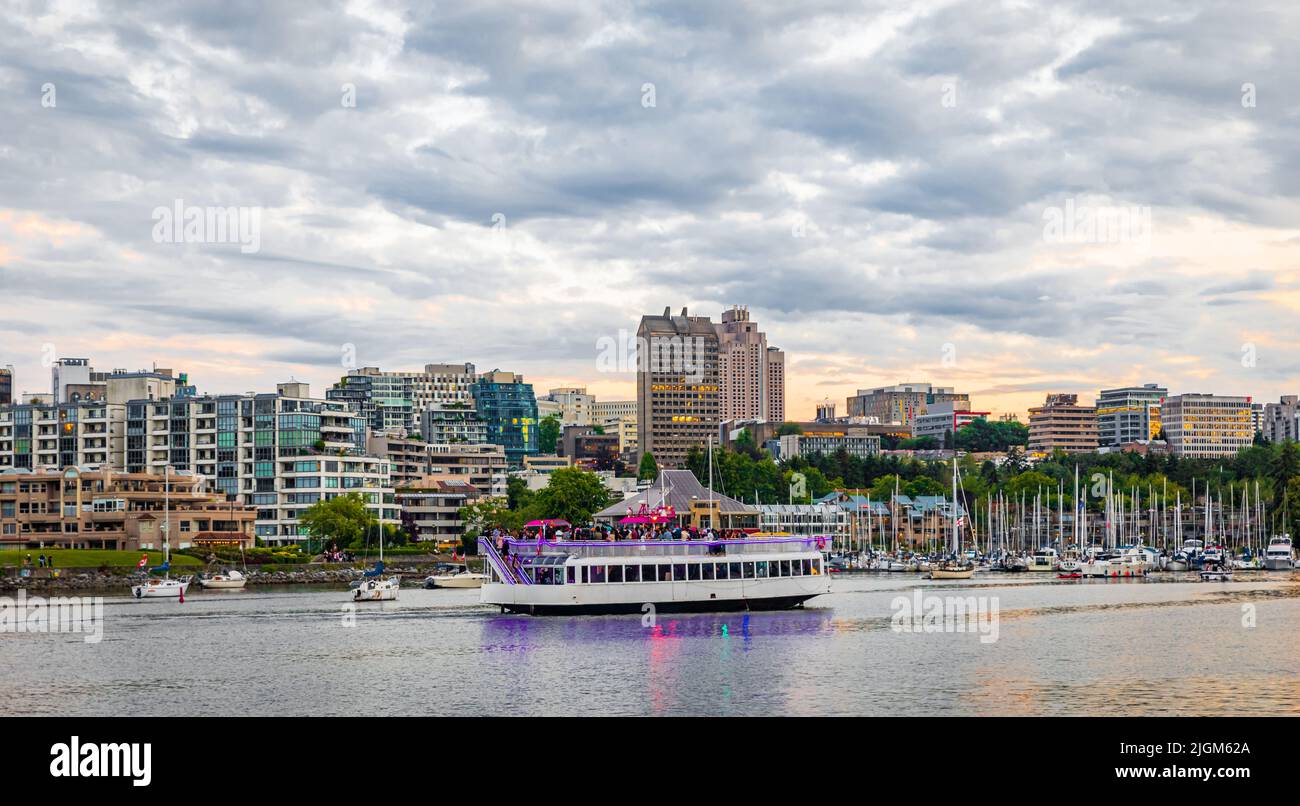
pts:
[96, 581]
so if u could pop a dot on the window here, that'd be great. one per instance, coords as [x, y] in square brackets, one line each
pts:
[760, 569]
[569, 574]
[749, 570]
[665, 573]
[707, 570]
[693, 571]
[597, 574]
[585, 571]
[734, 570]
[805, 567]
[631, 573]
[679, 572]
[785, 568]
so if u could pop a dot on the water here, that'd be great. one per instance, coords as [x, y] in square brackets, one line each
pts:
[1167, 645]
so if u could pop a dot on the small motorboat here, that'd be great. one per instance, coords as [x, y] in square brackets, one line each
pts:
[166, 588]
[454, 575]
[1215, 572]
[229, 580]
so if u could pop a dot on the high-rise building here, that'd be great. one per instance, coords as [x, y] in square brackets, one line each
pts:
[1062, 424]
[1202, 426]
[1129, 414]
[6, 385]
[751, 374]
[678, 392]
[1282, 420]
[903, 402]
[508, 409]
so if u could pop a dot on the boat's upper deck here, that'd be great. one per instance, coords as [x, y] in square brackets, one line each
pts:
[671, 548]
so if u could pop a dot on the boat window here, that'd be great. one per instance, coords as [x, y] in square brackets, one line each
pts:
[707, 570]
[585, 571]
[679, 572]
[616, 573]
[722, 571]
[749, 570]
[631, 573]
[796, 568]
[597, 574]
[807, 567]
[665, 573]
[785, 568]
[734, 570]
[693, 571]
[569, 573]
[760, 569]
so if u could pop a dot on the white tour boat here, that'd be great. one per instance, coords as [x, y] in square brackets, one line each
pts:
[543, 577]
[1279, 556]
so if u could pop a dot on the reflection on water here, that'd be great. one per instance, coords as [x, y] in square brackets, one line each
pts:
[1165, 646]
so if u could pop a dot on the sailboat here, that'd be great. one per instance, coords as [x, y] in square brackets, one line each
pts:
[230, 579]
[166, 587]
[954, 566]
[374, 586]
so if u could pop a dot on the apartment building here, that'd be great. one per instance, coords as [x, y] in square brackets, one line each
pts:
[411, 460]
[101, 508]
[508, 408]
[1062, 424]
[397, 399]
[902, 403]
[942, 419]
[431, 508]
[6, 385]
[1204, 426]
[790, 446]
[1281, 421]
[443, 423]
[576, 406]
[751, 374]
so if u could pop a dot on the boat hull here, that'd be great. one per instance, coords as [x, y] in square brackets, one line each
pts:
[625, 608]
[154, 590]
[1278, 564]
[943, 573]
[459, 581]
[381, 591]
[223, 584]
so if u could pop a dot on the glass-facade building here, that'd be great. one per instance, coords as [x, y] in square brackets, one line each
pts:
[508, 409]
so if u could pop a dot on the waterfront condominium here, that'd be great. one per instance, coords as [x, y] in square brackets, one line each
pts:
[397, 399]
[903, 402]
[678, 394]
[508, 409]
[575, 405]
[1062, 424]
[1129, 414]
[750, 373]
[1202, 426]
[279, 452]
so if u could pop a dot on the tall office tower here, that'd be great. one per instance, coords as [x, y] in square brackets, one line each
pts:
[1129, 414]
[1207, 426]
[6, 385]
[678, 385]
[751, 374]
[508, 409]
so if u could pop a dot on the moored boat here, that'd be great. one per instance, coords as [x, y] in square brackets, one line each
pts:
[228, 580]
[1280, 555]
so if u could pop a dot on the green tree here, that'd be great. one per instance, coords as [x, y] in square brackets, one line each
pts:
[343, 520]
[518, 496]
[572, 494]
[649, 468]
[548, 433]
[786, 429]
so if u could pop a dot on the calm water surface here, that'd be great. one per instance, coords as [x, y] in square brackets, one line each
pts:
[1166, 645]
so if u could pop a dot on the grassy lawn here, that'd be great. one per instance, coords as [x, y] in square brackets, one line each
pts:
[92, 558]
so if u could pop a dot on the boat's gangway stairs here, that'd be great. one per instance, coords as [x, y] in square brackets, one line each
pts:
[507, 572]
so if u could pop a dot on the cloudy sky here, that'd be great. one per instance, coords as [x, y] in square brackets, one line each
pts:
[507, 183]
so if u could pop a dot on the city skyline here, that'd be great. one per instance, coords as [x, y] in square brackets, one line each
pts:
[482, 189]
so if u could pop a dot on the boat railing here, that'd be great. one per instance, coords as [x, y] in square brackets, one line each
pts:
[503, 568]
[666, 548]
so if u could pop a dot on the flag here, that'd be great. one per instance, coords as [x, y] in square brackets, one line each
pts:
[144, 560]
